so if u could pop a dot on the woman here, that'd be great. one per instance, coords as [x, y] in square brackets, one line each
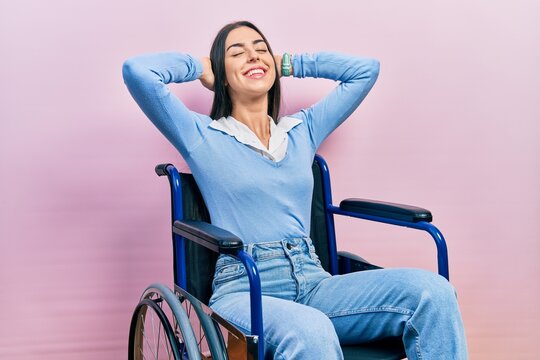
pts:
[254, 172]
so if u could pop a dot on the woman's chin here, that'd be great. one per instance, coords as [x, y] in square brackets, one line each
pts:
[252, 90]
[256, 91]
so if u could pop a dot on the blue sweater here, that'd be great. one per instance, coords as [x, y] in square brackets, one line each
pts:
[247, 194]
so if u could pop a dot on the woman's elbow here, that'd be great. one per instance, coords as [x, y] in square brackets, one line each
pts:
[129, 69]
[374, 66]
[366, 68]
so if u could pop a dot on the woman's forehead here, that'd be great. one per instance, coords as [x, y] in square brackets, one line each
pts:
[242, 35]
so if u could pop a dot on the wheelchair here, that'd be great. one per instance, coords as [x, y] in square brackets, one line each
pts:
[178, 324]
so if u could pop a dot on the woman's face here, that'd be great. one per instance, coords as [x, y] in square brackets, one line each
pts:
[249, 66]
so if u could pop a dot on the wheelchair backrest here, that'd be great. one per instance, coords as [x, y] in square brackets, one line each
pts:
[200, 262]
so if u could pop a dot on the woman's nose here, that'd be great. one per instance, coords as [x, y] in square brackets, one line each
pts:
[253, 55]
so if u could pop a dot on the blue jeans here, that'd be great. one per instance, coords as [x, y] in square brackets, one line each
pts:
[308, 313]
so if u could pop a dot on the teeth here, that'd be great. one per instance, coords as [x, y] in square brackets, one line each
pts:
[255, 71]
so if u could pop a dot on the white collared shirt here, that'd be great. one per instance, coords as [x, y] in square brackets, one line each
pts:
[279, 139]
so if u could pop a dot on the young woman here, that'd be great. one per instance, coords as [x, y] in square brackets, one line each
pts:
[254, 172]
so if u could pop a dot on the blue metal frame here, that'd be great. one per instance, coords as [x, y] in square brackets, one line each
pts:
[330, 227]
[255, 295]
[177, 213]
[180, 276]
[442, 251]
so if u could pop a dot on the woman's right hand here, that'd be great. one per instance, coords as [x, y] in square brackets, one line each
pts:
[207, 77]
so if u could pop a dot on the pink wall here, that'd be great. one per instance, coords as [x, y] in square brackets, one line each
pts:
[451, 125]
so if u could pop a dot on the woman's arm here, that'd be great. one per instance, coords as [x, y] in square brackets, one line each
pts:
[147, 76]
[356, 75]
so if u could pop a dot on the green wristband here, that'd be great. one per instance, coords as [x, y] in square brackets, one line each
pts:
[286, 65]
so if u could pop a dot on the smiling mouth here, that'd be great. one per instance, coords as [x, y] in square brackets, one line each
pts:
[255, 73]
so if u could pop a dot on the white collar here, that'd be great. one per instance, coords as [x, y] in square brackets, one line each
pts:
[242, 133]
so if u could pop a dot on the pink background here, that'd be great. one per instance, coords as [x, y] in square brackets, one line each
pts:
[452, 125]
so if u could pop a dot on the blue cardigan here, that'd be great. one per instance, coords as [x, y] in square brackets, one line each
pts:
[247, 194]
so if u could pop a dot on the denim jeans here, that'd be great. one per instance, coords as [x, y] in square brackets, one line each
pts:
[308, 313]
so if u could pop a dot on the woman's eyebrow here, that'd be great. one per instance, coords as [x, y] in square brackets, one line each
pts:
[255, 42]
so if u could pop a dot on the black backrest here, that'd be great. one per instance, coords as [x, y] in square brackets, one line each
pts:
[200, 262]
[319, 232]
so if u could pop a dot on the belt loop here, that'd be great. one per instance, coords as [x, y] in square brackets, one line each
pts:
[250, 249]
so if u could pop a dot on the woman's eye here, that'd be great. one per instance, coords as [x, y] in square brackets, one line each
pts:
[237, 54]
[262, 51]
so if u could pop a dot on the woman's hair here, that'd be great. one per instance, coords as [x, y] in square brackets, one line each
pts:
[222, 105]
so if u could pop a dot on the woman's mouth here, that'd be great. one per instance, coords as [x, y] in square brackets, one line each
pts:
[255, 73]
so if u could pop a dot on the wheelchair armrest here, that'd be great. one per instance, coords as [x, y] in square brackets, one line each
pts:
[387, 210]
[209, 236]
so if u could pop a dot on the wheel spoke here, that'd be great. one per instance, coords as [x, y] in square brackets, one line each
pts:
[159, 329]
[148, 342]
[154, 336]
[201, 335]
[151, 335]
[142, 353]
[167, 345]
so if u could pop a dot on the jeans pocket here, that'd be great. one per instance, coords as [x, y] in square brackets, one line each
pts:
[229, 272]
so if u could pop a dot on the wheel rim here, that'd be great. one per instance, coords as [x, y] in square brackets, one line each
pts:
[203, 348]
[200, 330]
[152, 336]
[190, 332]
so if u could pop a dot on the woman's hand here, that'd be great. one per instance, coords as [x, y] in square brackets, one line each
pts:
[207, 77]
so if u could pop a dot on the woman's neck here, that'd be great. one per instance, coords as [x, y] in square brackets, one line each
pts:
[254, 114]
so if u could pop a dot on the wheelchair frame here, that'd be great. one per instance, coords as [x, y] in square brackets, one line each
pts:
[221, 241]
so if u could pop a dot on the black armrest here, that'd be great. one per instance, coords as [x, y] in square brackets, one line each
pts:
[209, 236]
[161, 169]
[386, 210]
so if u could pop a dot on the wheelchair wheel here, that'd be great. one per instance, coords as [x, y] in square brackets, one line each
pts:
[209, 337]
[151, 334]
[194, 334]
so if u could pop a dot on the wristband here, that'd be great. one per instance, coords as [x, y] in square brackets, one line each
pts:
[286, 65]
